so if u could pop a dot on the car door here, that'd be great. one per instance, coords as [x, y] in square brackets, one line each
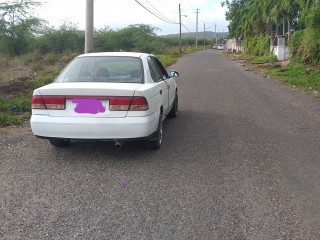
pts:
[171, 83]
[161, 87]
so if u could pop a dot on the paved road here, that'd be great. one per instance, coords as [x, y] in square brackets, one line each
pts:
[242, 161]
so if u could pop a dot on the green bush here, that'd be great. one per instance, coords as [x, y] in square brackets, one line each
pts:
[14, 109]
[295, 45]
[32, 57]
[21, 102]
[305, 46]
[44, 80]
[258, 46]
[312, 19]
[271, 58]
[68, 56]
[166, 60]
[7, 119]
[50, 59]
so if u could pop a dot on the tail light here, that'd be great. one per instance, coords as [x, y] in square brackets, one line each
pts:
[128, 103]
[37, 102]
[115, 103]
[48, 102]
[139, 104]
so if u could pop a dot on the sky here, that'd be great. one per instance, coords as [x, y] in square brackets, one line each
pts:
[118, 14]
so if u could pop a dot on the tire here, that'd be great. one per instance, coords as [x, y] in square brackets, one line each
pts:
[174, 110]
[59, 142]
[156, 141]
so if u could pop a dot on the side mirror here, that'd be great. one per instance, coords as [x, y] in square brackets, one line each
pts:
[174, 74]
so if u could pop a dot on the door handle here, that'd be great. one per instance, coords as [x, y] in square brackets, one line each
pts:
[160, 91]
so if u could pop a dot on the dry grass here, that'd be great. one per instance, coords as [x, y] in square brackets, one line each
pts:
[13, 68]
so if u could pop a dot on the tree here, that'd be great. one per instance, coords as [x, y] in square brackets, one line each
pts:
[66, 38]
[137, 37]
[310, 14]
[254, 18]
[236, 16]
[18, 24]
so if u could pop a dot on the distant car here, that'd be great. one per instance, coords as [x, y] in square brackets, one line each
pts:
[106, 96]
[215, 46]
[220, 47]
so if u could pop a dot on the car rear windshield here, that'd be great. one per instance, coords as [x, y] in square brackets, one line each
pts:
[103, 69]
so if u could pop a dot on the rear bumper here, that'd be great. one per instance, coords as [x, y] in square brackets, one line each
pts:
[94, 128]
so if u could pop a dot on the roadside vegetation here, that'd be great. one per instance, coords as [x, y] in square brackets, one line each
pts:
[301, 76]
[254, 22]
[32, 53]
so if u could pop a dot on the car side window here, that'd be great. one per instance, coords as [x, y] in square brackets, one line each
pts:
[161, 68]
[154, 71]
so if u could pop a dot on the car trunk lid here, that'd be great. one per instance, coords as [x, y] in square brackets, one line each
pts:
[86, 99]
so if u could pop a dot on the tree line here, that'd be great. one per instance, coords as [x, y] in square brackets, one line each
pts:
[21, 32]
[256, 20]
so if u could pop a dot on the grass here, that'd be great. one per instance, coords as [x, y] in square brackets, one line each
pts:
[20, 103]
[264, 59]
[172, 55]
[298, 75]
[14, 110]
[166, 60]
[169, 57]
[8, 119]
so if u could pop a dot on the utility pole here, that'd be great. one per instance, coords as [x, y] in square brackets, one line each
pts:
[89, 27]
[204, 36]
[180, 44]
[197, 12]
[222, 37]
[180, 28]
[215, 31]
[283, 27]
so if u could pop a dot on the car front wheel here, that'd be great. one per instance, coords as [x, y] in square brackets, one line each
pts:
[59, 142]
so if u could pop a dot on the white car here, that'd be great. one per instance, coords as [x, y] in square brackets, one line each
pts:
[115, 96]
[220, 47]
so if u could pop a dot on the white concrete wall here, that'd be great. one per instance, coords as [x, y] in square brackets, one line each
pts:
[234, 46]
[281, 51]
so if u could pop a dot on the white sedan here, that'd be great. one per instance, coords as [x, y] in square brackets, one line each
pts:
[220, 47]
[116, 96]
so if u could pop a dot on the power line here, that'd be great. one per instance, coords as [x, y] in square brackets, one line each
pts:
[167, 6]
[185, 27]
[160, 13]
[154, 14]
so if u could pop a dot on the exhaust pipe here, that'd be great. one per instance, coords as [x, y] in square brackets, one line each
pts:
[118, 144]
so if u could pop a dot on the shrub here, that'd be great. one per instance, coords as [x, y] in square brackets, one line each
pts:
[50, 59]
[166, 60]
[257, 46]
[271, 58]
[305, 46]
[7, 119]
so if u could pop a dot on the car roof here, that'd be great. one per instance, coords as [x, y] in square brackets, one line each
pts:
[114, 54]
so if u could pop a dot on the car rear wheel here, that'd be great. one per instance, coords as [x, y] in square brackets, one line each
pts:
[156, 141]
[59, 142]
[174, 110]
